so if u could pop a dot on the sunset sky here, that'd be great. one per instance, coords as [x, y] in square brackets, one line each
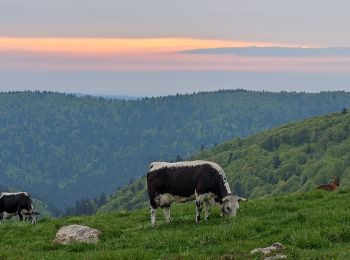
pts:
[159, 47]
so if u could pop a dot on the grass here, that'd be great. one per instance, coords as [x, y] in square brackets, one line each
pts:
[314, 225]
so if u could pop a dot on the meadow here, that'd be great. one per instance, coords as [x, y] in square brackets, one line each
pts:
[313, 225]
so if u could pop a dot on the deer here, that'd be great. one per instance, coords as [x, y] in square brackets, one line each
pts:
[330, 186]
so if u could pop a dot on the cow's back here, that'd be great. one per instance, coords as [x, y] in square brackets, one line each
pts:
[182, 179]
[11, 203]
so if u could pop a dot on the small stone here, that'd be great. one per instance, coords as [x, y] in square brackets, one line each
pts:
[77, 233]
[278, 256]
[278, 245]
[267, 250]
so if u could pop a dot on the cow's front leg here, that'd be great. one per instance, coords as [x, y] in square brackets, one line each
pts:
[153, 215]
[207, 209]
[166, 211]
[199, 205]
[20, 215]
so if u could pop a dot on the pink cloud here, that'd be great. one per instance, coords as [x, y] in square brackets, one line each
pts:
[37, 61]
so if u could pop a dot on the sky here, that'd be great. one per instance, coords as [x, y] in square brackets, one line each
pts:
[161, 47]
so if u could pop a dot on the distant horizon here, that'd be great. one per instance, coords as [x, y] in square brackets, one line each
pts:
[131, 97]
[203, 92]
[170, 83]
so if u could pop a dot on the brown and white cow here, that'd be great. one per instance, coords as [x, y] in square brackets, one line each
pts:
[202, 181]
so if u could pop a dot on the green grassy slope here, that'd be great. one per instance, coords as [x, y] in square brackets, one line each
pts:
[64, 148]
[314, 225]
[295, 157]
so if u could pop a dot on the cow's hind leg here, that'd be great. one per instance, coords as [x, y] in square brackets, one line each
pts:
[166, 211]
[153, 205]
[199, 205]
[153, 215]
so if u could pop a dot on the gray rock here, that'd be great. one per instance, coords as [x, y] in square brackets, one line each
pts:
[278, 256]
[77, 233]
[267, 250]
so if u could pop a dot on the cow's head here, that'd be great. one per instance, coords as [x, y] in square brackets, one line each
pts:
[31, 216]
[230, 205]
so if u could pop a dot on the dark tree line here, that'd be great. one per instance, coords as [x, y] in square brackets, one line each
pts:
[3, 188]
[86, 206]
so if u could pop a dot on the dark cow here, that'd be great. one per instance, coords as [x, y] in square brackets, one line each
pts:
[18, 203]
[202, 181]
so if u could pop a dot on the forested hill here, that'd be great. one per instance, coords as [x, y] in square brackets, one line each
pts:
[64, 148]
[295, 157]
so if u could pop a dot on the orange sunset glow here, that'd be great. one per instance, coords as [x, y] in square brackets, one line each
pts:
[113, 45]
[149, 54]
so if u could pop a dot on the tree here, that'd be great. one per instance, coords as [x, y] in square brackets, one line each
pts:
[229, 159]
[276, 161]
[178, 158]
[238, 189]
[102, 200]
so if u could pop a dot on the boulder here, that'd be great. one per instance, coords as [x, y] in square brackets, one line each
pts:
[77, 233]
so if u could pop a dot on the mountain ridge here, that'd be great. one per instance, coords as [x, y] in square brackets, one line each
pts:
[294, 157]
[65, 148]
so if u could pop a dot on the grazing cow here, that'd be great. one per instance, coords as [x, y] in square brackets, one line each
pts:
[330, 186]
[201, 181]
[18, 203]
